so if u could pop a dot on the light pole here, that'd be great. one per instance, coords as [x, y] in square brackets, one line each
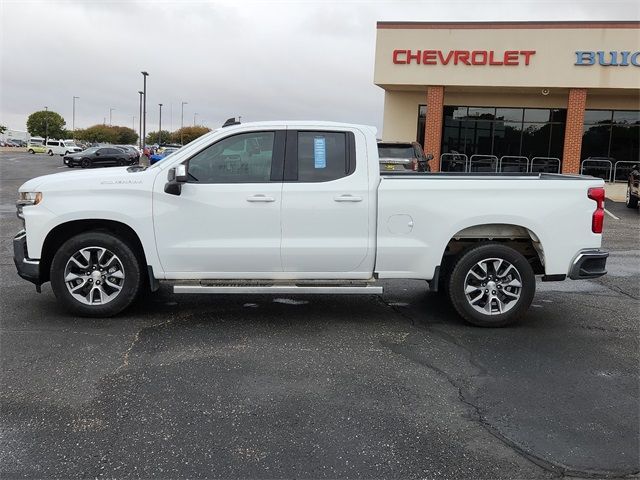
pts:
[194, 118]
[144, 105]
[182, 122]
[111, 109]
[46, 125]
[140, 128]
[160, 126]
[73, 121]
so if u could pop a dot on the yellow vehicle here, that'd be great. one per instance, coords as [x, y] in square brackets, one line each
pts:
[36, 145]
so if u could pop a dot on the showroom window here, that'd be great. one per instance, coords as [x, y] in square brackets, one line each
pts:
[498, 131]
[609, 137]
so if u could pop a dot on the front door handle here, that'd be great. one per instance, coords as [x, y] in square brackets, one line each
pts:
[347, 198]
[260, 198]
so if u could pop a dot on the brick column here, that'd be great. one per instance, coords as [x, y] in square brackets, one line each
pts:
[573, 130]
[433, 125]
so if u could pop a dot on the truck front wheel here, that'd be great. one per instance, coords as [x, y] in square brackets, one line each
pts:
[95, 274]
[491, 285]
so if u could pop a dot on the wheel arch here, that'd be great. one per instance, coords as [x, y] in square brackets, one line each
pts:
[61, 233]
[519, 237]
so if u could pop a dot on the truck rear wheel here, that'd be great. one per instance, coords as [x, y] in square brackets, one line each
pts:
[95, 274]
[491, 285]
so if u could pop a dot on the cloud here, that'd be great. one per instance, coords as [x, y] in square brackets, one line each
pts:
[262, 60]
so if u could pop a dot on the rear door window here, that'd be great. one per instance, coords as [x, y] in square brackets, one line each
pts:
[319, 156]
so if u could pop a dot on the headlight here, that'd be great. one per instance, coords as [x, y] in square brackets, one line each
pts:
[29, 198]
[26, 199]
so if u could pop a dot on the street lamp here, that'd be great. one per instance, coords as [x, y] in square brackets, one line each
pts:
[140, 128]
[194, 118]
[160, 126]
[111, 109]
[73, 121]
[144, 104]
[46, 125]
[182, 122]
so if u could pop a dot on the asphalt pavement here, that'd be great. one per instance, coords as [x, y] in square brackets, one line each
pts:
[317, 386]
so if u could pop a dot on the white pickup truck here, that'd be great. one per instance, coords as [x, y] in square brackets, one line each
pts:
[301, 207]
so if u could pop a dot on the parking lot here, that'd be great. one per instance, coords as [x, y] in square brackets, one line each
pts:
[320, 386]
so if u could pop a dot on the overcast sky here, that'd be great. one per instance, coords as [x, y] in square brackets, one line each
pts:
[259, 59]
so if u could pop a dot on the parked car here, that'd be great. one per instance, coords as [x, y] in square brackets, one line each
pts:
[99, 157]
[131, 151]
[237, 212]
[633, 187]
[402, 157]
[61, 147]
[36, 148]
[156, 157]
[18, 142]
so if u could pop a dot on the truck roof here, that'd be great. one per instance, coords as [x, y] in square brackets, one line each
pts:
[305, 123]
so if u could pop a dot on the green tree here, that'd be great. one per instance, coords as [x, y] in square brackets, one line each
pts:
[108, 134]
[3, 129]
[188, 134]
[152, 137]
[126, 135]
[98, 134]
[46, 123]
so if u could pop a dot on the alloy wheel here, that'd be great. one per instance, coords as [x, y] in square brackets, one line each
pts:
[493, 286]
[94, 276]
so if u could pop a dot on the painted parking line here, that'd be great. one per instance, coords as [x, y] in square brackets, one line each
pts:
[611, 214]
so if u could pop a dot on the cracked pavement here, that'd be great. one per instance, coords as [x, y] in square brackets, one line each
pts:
[320, 387]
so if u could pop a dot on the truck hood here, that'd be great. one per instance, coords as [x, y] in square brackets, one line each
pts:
[84, 179]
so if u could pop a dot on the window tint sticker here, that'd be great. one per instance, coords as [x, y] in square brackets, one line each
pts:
[319, 152]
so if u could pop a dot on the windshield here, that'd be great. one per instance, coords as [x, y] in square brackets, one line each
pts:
[400, 151]
[90, 150]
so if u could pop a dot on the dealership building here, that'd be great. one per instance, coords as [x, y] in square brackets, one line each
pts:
[514, 96]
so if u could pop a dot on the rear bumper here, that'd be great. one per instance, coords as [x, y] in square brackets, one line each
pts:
[27, 268]
[589, 264]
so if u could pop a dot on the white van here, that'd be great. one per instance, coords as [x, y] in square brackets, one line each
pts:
[62, 147]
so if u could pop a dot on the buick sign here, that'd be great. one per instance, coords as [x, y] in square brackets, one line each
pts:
[608, 59]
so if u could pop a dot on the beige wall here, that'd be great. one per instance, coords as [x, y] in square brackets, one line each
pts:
[400, 121]
[552, 66]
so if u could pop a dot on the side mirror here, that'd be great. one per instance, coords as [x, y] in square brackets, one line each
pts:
[176, 177]
[181, 173]
[97, 154]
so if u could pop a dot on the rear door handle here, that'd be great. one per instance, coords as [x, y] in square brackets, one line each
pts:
[260, 198]
[347, 198]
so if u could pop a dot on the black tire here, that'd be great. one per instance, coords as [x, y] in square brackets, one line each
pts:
[85, 163]
[631, 201]
[50, 153]
[121, 162]
[31, 151]
[461, 270]
[131, 283]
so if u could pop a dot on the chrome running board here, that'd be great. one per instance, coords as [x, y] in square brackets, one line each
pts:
[280, 289]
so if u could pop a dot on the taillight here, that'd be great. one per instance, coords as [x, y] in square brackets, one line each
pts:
[597, 220]
[414, 164]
